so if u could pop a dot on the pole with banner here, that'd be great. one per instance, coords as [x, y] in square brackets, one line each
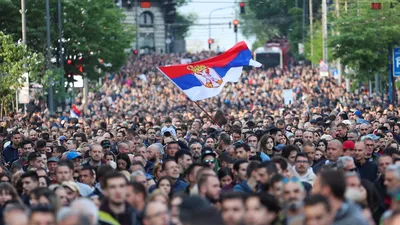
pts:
[396, 71]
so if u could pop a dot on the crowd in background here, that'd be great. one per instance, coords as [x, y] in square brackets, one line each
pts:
[142, 153]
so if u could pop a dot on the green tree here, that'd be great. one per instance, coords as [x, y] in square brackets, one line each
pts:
[92, 30]
[15, 60]
[182, 25]
[366, 37]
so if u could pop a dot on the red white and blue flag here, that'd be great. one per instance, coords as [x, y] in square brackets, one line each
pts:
[75, 112]
[205, 79]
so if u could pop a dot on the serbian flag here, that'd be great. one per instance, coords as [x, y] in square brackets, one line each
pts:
[75, 112]
[205, 79]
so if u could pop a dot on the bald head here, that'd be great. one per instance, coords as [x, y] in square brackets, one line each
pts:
[334, 150]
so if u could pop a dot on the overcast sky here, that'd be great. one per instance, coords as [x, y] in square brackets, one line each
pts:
[220, 32]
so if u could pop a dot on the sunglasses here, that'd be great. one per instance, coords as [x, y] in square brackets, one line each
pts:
[209, 161]
[352, 170]
[286, 180]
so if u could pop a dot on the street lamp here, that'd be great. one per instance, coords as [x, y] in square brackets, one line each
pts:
[209, 19]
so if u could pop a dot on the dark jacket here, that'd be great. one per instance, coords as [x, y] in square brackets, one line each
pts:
[368, 170]
[349, 214]
[107, 217]
[10, 154]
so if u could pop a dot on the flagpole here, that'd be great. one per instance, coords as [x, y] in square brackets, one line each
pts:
[212, 118]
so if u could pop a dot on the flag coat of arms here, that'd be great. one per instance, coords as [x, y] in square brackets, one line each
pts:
[205, 79]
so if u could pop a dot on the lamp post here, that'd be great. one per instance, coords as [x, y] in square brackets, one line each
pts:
[209, 20]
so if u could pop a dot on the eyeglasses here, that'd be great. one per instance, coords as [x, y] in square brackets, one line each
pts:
[209, 161]
[286, 180]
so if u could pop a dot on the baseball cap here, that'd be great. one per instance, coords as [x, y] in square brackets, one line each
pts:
[105, 143]
[73, 155]
[208, 151]
[52, 159]
[62, 138]
[71, 185]
[357, 113]
[348, 145]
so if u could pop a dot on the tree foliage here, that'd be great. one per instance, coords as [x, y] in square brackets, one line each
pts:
[366, 36]
[276, 18]
[183, 23]
[92, 29]
[15, 60]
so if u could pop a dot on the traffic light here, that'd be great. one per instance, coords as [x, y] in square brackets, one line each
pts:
[145, 4]
[242, 10]
[135, 52]
[235, 25]
[210, 41]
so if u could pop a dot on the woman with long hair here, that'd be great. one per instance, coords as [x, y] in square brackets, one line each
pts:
[266, 145]
[8, 193]
[165, 185]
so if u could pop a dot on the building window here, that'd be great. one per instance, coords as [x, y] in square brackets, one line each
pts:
[146, 19]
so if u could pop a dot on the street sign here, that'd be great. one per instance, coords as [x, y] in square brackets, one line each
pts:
[323, 69]
[396, 61]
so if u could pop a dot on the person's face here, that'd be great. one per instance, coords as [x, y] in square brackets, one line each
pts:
[384, 162]
[172, 170]
[302, 164]
[299, 144]
[86, 177]
[4, 197]
[41, 218]
[369, 148]
[226, 180]
[179, 133]
[341, 132]
[389, 136]
[359, 153]
[353, 182]
[156, 214]
[321, 146]
[62, 196]
[317, 215]
[116, 190]
[109, 158]
[363, 129]
[172, 149]
[165, 186]
[292, 157]
[308, 136]
[262, 176]
[241, 153]
[28, 148]
[333, 151]
[210, 142]
[350, 166]
[209, 160]
[396, 129]
[120, 137]
[186, 161]
[236, 137]
[213, 188]
[16, 217]
[241, 174]
[256, 213]
[28, 184]
[100, 132]
[42, 182]
[51, 166]
[391, 182]
[123, 148]
[71, 195]
[96, 153]
[37, 163]
[270, 143]
[196, 150]
[63, 173]
[352, 137]
[292, 192]
[70, 145]
[16, 139]
[252, 141]
[141, 151]
[122, 164]
[233, 211]
[310, 151]
[276, 190]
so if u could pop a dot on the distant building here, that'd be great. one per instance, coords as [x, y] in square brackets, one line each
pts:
[154, 20]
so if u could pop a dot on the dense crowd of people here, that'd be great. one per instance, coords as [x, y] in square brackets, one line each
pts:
[142, 153]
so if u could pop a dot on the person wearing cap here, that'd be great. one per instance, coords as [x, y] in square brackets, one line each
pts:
[208, 157]
[106, 145]
[75, 157]
[72, 190]
[51, 166]
[348, 148]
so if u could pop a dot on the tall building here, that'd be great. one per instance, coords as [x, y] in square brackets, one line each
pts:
[154, 20]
